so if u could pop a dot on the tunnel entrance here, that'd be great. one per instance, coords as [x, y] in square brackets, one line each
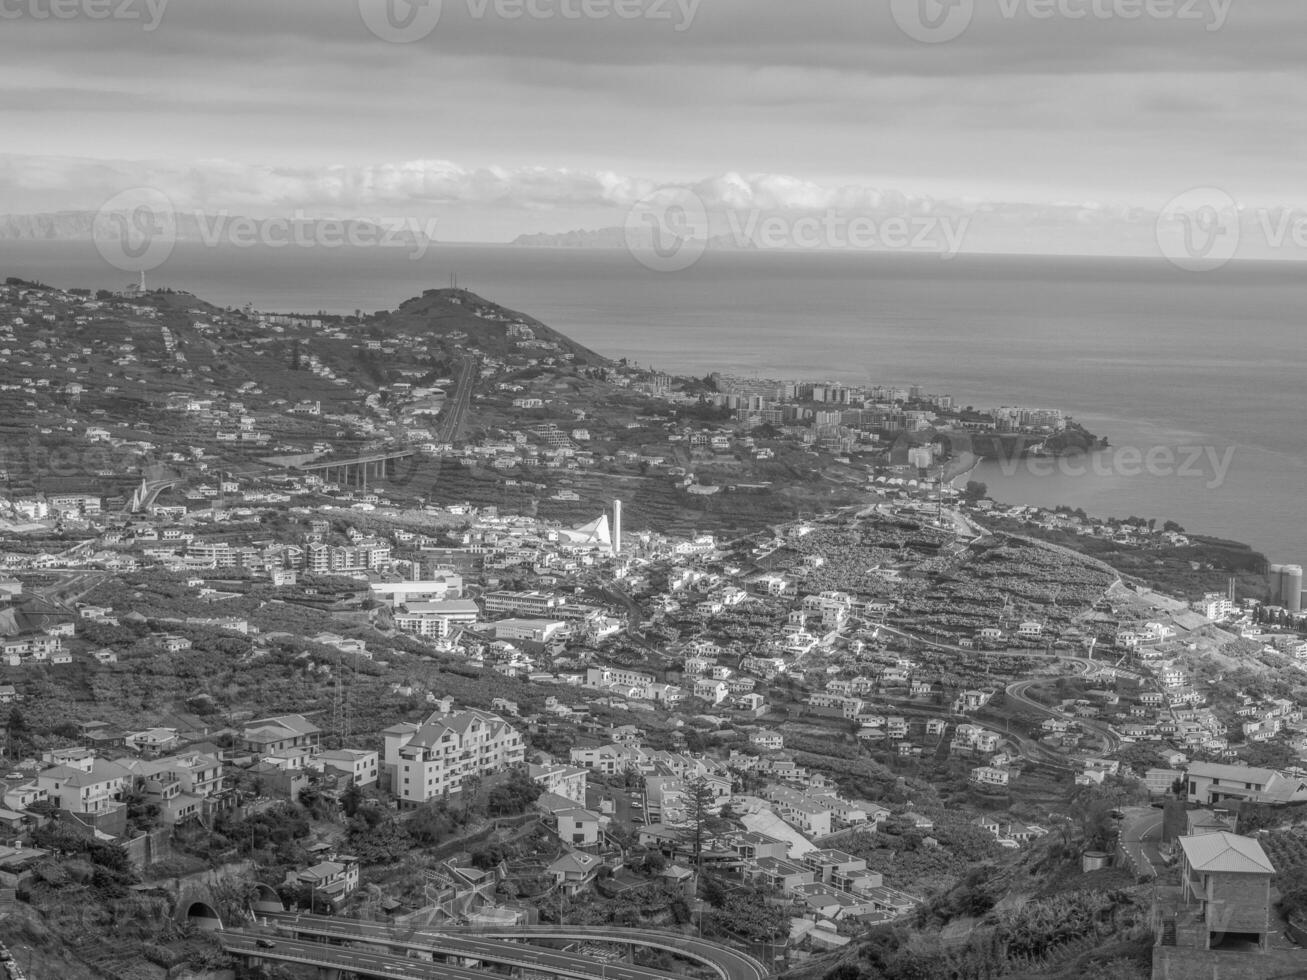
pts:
[204, 917]
[266, 900]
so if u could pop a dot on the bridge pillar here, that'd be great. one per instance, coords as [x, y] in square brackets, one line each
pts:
[329, 973]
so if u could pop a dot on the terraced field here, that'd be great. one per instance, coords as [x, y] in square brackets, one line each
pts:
[943, 590]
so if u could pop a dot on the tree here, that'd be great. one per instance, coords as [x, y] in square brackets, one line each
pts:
[432, 823]
[1292, 885]
[513, 796]
[376, 837]
[700, 801]
[1095, 804]
[749, 914]
[351, 799]
[470, 786]
[17, 726]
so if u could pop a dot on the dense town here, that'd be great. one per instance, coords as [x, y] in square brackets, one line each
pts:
[431, 619]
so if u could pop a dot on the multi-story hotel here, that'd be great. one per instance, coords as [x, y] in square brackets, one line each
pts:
[429, 761]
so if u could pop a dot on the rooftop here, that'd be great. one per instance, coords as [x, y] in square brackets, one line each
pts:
[1225, 852]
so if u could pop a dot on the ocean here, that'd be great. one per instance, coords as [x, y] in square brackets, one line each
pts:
[1196, 380]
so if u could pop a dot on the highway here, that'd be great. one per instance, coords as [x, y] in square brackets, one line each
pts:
[73, 587]
[729, 964]
[493, 945]
[377, 457]
[456, 407]
[153, 488]
[501, 952]
[341, 958]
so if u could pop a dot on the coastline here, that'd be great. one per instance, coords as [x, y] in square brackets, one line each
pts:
[622, 303]
[963, 465]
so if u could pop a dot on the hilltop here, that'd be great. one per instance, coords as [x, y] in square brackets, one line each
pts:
[105, 388]
[441, 312]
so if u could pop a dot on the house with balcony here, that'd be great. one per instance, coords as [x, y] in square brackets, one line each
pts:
[801, 811]
[268, 735]
[767, 741]
[97, 790]
[1212, 782]
[568, 782]
[164, 789]
[330, 881]
[1225, 895]
[608, 759]
[574, 871]
[153, 741]
[358, 766]
[780, 874]
[579, 827]
[990, 776]
[185, 786]
[431, 760]
[841, 871]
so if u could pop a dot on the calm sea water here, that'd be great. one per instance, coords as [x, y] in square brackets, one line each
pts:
[1165, 364]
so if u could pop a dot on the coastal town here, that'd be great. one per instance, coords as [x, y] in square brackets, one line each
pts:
[431, 619]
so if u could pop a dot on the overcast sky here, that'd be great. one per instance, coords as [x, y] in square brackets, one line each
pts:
[503, 125]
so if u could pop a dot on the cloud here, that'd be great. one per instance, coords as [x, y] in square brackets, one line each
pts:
[416, 185]
[228, 185]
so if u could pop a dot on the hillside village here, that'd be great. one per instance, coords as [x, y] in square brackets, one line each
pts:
[433, 615]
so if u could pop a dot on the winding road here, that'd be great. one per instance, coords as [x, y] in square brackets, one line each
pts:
[1141, 838]
[1017, 692]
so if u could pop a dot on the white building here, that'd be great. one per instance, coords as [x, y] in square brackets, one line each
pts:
[429, 761]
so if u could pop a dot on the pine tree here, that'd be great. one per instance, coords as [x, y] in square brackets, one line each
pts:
[699, 804]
